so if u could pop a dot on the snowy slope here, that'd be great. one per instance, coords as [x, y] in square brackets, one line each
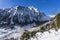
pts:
[53, 35]
[10, 33]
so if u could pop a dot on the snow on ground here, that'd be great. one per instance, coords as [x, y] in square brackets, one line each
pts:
[18, 31]
[11, 33]
[51, 35]
[7, 33]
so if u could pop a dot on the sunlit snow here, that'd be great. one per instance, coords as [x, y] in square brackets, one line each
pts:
[51, 35]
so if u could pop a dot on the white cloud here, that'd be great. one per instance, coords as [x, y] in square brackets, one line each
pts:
[51, 15]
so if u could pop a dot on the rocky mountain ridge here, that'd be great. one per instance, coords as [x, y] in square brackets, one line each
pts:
[21, 15]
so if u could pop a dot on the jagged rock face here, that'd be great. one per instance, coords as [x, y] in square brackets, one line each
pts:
[21, 14]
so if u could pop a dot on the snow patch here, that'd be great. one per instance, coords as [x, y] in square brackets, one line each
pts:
[53, 35]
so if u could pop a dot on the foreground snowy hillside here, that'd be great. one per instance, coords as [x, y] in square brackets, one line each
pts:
[48, 35]
[15, 34]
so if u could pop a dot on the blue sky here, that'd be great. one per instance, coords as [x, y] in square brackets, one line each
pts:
[49, 7]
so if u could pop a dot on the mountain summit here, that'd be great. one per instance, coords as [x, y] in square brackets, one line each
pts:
[22, 15]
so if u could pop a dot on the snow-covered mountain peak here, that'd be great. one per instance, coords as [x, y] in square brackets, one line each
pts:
[21, 14]
[19, 7]
[33, 8]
